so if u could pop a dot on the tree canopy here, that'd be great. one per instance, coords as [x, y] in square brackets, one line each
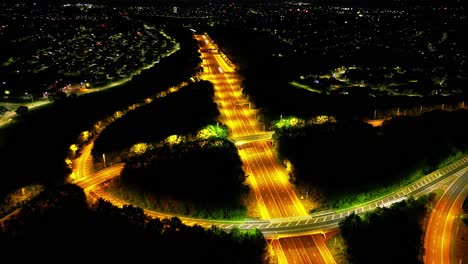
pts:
[387, 235]
[60, 222]
[369, 157]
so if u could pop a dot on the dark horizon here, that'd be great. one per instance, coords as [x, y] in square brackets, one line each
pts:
[353, 3]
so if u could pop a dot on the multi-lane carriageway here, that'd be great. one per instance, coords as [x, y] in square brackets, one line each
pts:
[283, 218]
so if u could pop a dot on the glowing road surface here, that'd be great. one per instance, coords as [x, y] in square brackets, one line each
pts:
[285, 223]
[439, 227]
[267, 177]
[275, 196]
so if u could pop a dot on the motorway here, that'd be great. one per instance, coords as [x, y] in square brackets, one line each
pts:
[268, 179]
[284, 221]
[302, 249]
[439, 229]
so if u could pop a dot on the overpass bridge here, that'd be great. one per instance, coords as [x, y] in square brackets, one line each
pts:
[262, 136]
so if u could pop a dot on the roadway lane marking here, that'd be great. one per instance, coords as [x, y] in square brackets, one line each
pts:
[288, 224]
[268, 226]
[316, 219]
[307, 221]
[278, 225]
[341, 215]
[333, 217]
[298, 222]
[229, 226]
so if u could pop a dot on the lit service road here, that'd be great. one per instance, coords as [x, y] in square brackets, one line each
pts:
[84, 163]
[318, 222]
[439, 231]
[101, 176]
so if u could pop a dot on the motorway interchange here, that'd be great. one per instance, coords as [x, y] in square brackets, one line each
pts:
[284, 221]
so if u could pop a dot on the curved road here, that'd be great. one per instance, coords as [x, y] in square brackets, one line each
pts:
[301, 225]
[439, 231]
[285, 220]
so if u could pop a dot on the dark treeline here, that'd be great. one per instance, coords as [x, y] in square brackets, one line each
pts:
[34, 149]
[389, 235]
[347, 158]
[197, 177]
[59, 221]
[403, 4]
[180, 113]
[344, 3]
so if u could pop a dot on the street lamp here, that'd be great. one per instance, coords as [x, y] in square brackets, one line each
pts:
[30, 95]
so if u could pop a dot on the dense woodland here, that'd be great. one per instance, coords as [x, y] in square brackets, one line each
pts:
[352, 161]
[181, 113]
[200, 177]
[389, 235]
[59, 221]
